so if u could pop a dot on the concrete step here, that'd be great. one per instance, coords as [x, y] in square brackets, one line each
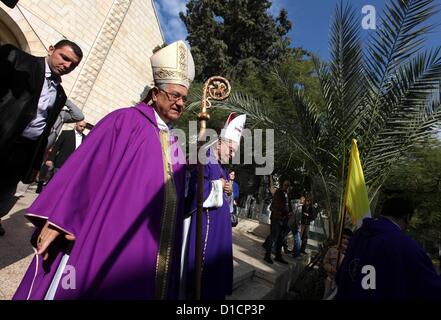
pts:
[241, 274]
[253, 289]
[253, 278]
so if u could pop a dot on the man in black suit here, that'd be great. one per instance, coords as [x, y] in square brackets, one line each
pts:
[31, 98]
[10, 3]
[66, 144]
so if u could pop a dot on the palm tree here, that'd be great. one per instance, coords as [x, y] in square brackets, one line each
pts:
[385, 95]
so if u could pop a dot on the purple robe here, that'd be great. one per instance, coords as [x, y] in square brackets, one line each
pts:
[403, 271]
[110, 196]
[217, 237]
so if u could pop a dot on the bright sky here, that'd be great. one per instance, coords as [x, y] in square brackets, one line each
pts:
[310, 18]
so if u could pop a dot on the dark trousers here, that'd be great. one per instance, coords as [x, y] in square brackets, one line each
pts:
[16, 162]
[305, 233]
[278, 227]
[14, 165]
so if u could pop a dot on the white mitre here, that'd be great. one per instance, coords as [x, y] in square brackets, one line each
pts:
[173, 64]
[234, 127]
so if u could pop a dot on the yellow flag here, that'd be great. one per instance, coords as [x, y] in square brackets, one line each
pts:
[356, 196]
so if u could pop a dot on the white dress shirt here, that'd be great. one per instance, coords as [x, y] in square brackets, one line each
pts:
[161, 124]
[78, 139]
[47, 99]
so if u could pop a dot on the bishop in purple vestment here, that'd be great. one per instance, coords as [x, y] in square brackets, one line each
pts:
[383, 263]
[217, 252]
[120, 198]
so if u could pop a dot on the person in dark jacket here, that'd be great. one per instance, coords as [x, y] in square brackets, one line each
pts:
[280, 212]
[66, 144]
[31, 97]
[69, 114]
[10, 3]
[307, 215]
[383, 263]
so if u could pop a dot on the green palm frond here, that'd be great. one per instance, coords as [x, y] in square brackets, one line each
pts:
[194, 98]
[310, 125]
[343, 79]
[246, 104]
[260, 117]
[308, 112]
[409, 115]
[387, 97]
[399, 36]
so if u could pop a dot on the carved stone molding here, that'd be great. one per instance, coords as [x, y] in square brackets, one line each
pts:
[99, 51]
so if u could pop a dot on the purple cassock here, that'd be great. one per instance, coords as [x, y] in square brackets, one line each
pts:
[395, 263]
[217, 255]
[124, 205]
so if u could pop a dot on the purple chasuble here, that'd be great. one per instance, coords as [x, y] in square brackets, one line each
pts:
[400, 267]
[110, 194]
[217, 237]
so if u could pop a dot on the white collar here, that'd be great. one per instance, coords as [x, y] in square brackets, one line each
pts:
[48, 73]
[161, 124]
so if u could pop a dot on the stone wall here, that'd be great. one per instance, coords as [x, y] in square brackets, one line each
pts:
[117, 38]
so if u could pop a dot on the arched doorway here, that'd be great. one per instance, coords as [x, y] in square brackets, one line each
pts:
[10, 32]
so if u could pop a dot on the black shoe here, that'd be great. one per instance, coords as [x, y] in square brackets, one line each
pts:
[280, 259]
[39, 187]
[268, 259]
[287, 251]
[2, 231]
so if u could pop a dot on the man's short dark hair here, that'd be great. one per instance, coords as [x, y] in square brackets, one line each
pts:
[347, 232]
[76, 48]
[397, 206]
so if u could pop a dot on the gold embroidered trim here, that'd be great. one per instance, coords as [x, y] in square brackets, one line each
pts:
[162, 73]
[182, 57]
[168, 222]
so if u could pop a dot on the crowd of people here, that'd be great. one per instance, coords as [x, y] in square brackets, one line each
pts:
[288, 216]
[376, 262]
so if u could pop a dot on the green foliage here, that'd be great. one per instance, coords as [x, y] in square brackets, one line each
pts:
[385, 96]
[240, 40]
[231, 38]
[419, 177]
[269, 100]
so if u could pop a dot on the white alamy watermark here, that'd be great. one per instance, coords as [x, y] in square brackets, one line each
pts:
[369, 280]
[69, 280]
[257, 148]
[369, 21]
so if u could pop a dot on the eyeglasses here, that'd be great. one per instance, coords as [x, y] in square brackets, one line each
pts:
[231, 149]
[172, 96]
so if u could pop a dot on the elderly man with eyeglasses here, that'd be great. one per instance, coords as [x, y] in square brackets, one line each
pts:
[217, 255]
[113, 213]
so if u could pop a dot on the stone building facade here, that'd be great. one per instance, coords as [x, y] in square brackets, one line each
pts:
[117, 38]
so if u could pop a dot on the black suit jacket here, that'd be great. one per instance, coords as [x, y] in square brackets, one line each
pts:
[63, 147]
[21, 82]
[10, 3]
[279, 210]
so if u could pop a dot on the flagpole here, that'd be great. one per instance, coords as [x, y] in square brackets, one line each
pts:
[342, 223]
[216, 88]
[343, 208]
